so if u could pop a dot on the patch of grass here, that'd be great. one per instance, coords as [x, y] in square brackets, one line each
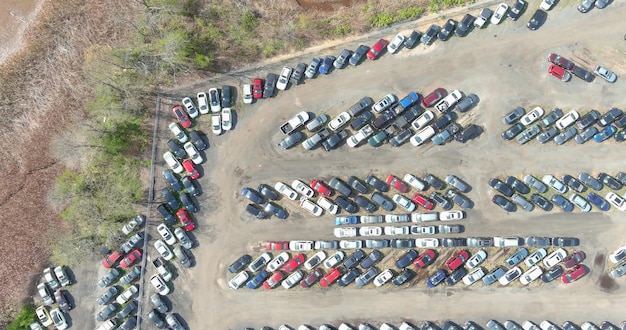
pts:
[410, 12]
[24, 318]
[382, 19]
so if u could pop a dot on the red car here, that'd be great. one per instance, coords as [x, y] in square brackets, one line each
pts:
[294, 263]
[131, 258]
[257, 88]
[423, 201]
[331, 277]
[191, 169]
[573, 259]
[311, 278]
[457, 261]
[395, 182]
[321, 188]
[375, 51]
[434, 97]
[181, 115]
[560, 61]
[274, 280]
[574, 274]
[559, 73]
[277, 246]
[424, 259]
[185, 220]
[111, 259]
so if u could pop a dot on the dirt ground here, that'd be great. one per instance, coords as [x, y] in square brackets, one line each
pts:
[506, 67]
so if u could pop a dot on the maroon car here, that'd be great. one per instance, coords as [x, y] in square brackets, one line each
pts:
[574, 259]
[434, 97]
[560, 61]
[312, 278]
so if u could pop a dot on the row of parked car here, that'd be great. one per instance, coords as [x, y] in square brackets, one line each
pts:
[526, 126]
[217, 102]
[560, 68]
[451, 215]
[469, 325]
[52, 292]
[515, 189]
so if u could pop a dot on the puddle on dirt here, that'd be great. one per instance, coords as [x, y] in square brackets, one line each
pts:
[607, 284]
[327, 5]
[598, 261]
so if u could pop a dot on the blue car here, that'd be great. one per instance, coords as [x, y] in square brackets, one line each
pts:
[258, 279]
[436, 278]
[492, 277]
[563, 203]
[598, 201]
[252, 195]
[605, 133]
[327, 64]
[346, 220]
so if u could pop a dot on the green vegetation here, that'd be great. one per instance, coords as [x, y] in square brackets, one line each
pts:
[25, 317]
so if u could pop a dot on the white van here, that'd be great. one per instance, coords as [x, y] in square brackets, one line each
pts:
[424, 217]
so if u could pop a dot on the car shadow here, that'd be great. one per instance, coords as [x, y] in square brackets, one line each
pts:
[70, 299]
[234, 119]
[70, 275]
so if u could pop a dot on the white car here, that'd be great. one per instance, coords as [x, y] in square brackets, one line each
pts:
[554, 183]
[383, 277]
[283, 80]
[345, 244]
[422, 136]
[532, 116]
[327, 205]
[301, 245]
[499, 14]
[391, 230]
[159, 284]
[163, 250]
[404, 202]
[535, 257]
[183, 238]
[286, 191]
[616, 201]
[423, 120]
[589, 326]
[554, 258]
[334, 259]
[344, 232]
[193, 153]
[315, 260]
[385, 103]
[605, 73]
[190, 107]
[227, 119]
[581, 202]
[361, 135]
[370, 231]
[451, 215]
[547, 325]
[239, 280]
[216, 124]
[165, 274]
[531, 274]
[172, 162]
[510, 276]
[203, 103]
[372, 218]
[246, 94]
[302, 188]
[214, 100]
[416, 183]
[567, 120]
[474, 276]
[529, 325]
[59, 319]
[618, 255]
[259, 262]
[127, 295]
[62, 276]
[165, 232]
[178, 133]
[277, 262]
[448, 102]
[547, 4]
[476, 259]
[392, 218]
[426, 242]
[292, 279]
[395, 44]
[339, 121]
[311, 207]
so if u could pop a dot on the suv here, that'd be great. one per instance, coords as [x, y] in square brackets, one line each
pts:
[588, 119]
[270, 84]
[429, 37]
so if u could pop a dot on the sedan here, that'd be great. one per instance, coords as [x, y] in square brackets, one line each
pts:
[377, 49]
[586, 6]
[605, 133]
[574, 274]
[552, 274]
[327, 64]
[565, 136]
[182, 116]
[447, 30]
[457, 260]
[610, 181]
[554, 183]
[581, 72]
[513, 116]
[436, 278]
[499, 14]
[598, 201]
[586, 135]
[573, 183]
[504, 203]
[356, 58]
[512, 131]
[590, 181]
[343, 59]
[517, 185]
[560, 61]
[456, 276]
[396, 183]
[537, 20]
[457, 183]
[548, 135]
[466, 24]
[429, 37]
[396, 43]
[425, 259]
[542, 202]
[605, 73]
[517, 9]
[574, 259]
[563, 203]
[533, 115]
[312, 278]
[404, 202]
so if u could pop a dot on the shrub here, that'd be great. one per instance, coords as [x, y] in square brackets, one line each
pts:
[380, 20]
[410, 12]
[25, 317]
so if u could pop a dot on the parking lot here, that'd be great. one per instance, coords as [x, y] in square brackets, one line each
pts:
[505, 66]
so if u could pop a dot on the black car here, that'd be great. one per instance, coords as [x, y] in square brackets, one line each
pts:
[620, 122]
[401, 138]
[198, 140]
[573, 183]
[371, 259]
[609, 117]
[156, 319]
[252, 195]
[334, 140]
[268, 192]
[467, 103]
[256, 211]
[429, 37]
[565, 241]
[548, 135]
[590, 181]
[445, 120]
[382, 120]
[346, 204]
[470, 132]
[357, 184]
[517, 185]
[513, 116]
[358, 55]
[413, 39]
[404, 276]
[583, 74]
[500, 186]
[272, 208]
[361, 120]
[128, 309]
[167, 215]
[172, 179]
[377, 183]
[298, 74]
[190, 186]
[504, 203]
[513, 131]
[340, 186]
[402, 243]
[239, 264]
[455, 277]
[435, 182]
[226, 96]
[452, 242]
[610, 181]
[169, 197]
[447, 30]
[383, 201]
[552, 274]
[542, 202]
[176, 149]
[588, 119]
[366, 204]
[539, 17]
[552, 117]
[517, 9]
[349, 277]
[406, 259]
[562, 202]
[354, 259]
[443, 202]
[291, 140]
[188, 202]
[270, 85]
[465, 26]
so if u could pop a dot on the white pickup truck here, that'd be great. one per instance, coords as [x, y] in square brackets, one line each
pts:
[484, 16]
[294, 123]
[361, 135]
[449, 101]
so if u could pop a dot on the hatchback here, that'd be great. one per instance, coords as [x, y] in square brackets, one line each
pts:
[358, 55]
[429, 37]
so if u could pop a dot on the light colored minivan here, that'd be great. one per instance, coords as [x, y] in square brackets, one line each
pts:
[567, 120]
[422, 136]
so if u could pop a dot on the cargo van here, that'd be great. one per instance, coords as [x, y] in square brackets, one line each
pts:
[424, 217]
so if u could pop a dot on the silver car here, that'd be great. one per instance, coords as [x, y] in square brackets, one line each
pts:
[535, 184]
[523, 202]
[580, 201]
